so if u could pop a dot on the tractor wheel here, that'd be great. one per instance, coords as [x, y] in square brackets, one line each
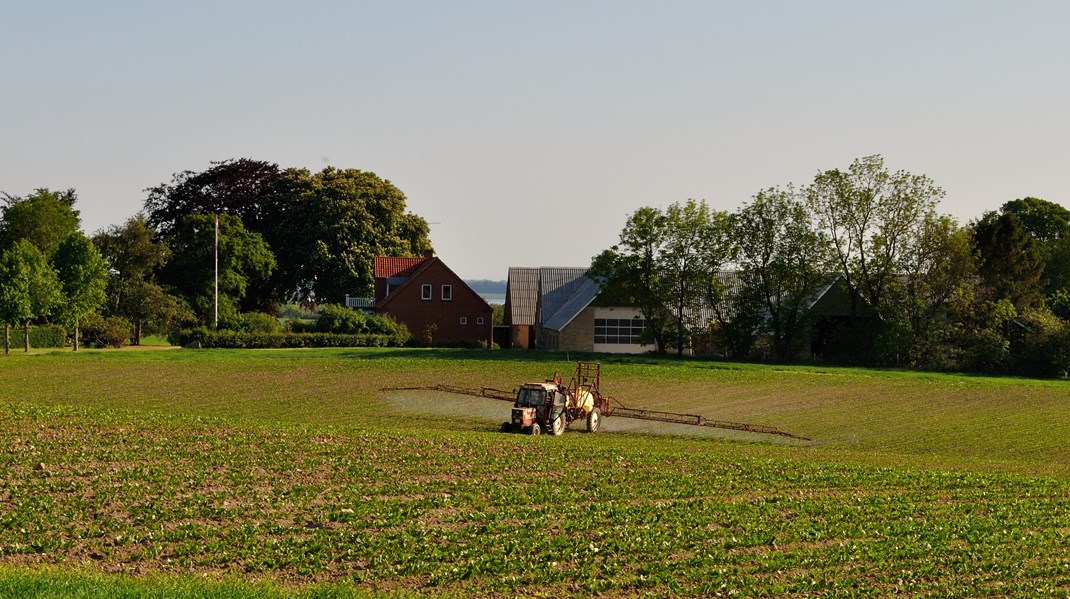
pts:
[536, 429]
[558, 425]
[507, 427]
[594, 420]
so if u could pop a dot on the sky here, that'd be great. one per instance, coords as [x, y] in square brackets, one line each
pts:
[528, 132]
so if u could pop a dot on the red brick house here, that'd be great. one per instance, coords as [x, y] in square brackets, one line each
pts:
[431, 300]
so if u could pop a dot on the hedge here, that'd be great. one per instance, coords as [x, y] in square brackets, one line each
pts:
[51, 335]
[248, 340]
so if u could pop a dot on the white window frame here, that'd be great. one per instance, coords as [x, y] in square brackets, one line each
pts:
[464, 320]
[479, 320]
[425, 292]
[447, 293]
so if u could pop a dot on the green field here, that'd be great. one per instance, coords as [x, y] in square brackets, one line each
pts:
[288, 473]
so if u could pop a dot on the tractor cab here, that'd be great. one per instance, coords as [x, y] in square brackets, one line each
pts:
[538, 404]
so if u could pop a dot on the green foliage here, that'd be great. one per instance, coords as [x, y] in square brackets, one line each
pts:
[29, 287]
[259, 322]
[346, 321]
[782, 263]
[44, 336]
[1011, 265]
[83, 276]
[244, 258]
[109, 331]
[231, 339]
[328, 227]
[870, 216]
[339, 319]
[1043, 348]
[44, 218]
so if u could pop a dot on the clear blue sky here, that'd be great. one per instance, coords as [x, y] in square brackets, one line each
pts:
[529, 131]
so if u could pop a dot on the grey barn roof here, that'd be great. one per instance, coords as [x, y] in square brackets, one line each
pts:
[522, 295]
[580, 299]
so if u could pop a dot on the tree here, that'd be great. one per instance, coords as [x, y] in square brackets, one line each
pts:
[781, 260]
[1049, 224]
[243, 257]
[1011, 266]
[234, 187]
[693, 252]
[629, 271]
[135, 257]
[937, 277]
[83, 276]
[45, 218]
[29, 288]
[870, 217]
[328, 227]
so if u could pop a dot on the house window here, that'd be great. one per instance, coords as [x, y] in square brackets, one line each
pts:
[425, 292]
[479, 320]
[616, 331]
[464, 320]
[447, 293]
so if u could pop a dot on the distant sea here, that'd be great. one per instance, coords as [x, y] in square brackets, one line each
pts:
[493, 298]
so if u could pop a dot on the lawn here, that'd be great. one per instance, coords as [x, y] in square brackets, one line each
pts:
[278, 473]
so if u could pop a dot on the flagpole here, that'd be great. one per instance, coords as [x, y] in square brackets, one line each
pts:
[217, 270]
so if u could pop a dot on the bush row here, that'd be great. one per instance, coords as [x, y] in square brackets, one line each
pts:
[248, 340]
[45, 336]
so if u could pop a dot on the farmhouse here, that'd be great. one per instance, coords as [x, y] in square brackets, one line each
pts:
[430, 299]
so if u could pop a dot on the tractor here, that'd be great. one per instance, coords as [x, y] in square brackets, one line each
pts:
[551, 406]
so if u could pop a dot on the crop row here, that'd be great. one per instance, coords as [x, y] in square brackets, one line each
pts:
[488, 513]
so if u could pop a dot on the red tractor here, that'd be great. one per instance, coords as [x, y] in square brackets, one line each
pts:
[551, 406]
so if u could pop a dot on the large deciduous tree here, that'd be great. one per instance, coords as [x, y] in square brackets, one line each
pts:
[870, 217]
[694, 250]
[234, 187]
[135, 257]
[327, 228]
[45, 218]
[29, 288]
[629, 271]
[782, 263]
[1011, 266]
[83, 276]
[937, 279]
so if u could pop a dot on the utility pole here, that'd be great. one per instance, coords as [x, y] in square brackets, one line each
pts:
[217, 270]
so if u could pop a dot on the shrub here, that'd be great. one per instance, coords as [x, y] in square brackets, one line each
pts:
[112, 331]
[249, 340]
[1043, 349]
[259, 322]
[339, 319]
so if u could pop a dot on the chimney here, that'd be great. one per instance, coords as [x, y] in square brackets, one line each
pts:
[429, 253]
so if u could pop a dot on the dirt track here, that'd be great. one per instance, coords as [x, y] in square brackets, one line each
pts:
[494, 412]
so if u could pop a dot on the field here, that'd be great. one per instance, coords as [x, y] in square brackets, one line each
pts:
[288, 473]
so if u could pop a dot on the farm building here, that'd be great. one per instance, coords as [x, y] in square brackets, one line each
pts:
[430, 299]
[558, 309]
[553, 308]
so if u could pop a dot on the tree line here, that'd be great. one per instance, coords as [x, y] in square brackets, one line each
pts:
[285, 236]
[923, 291]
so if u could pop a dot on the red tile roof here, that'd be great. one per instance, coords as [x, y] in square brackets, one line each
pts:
[392, 266]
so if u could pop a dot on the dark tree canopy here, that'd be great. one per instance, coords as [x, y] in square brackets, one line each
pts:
[1010, 266]
[233, 187]
[327, 228]
[44, 218]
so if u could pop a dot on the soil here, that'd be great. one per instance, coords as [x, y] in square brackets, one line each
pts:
[494, 412]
